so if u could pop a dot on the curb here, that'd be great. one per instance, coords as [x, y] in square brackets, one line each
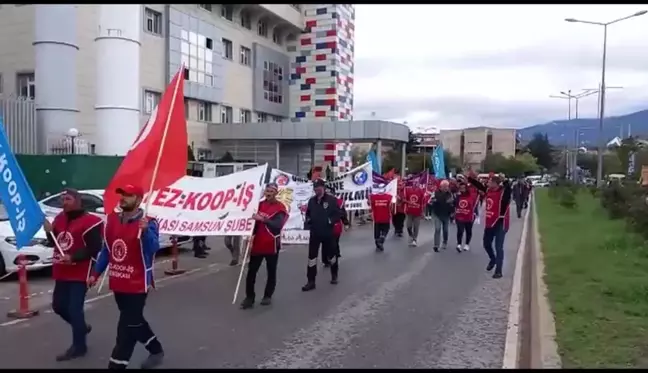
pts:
[543, 349]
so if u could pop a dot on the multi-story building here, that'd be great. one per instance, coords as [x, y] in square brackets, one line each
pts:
[472, 145]
[243, 63]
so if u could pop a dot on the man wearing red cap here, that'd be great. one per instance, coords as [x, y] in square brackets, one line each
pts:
[78, 237]
[266, 243]
[132, 240]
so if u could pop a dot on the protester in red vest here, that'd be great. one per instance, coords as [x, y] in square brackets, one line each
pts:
[131, 241]
[464, 215]
[338, 228]
[78, 234]
[398, 218]
[498, 199]
[381, 206]
[415, 198]
[266, 243]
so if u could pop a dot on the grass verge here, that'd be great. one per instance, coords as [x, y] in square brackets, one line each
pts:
[597, 275]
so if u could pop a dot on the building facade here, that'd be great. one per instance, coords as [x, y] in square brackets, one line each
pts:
[249, 63]
[472, 145]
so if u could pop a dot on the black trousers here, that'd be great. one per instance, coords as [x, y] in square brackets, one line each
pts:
[199, 243]
[398, 220]
[253, 269]
[67, 302]
[380, 233]
[330, 250]
[132, 328]
[519, 206]
[464, 227]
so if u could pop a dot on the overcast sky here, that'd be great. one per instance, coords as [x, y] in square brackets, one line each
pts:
[453, 66]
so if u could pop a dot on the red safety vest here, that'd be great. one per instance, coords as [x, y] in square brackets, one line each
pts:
[264, 242]
[126, 268]
[380, 207]
[69, 235]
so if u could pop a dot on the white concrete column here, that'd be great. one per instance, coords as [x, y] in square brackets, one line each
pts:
[118, 77]
[403, 159]
[278, 153]
[55, 75]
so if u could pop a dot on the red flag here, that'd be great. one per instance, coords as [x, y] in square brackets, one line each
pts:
[390, 174]
[158, 157]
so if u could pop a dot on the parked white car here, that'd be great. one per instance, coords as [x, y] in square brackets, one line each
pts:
[38, 254]
[92, 201]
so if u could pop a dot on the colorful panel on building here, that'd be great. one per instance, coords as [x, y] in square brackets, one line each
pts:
[321, 69]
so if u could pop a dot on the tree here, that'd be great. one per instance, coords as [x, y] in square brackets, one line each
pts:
[514, 166]
[451, 162]
[358, 156]
[541, 150]
[628, 146]
[494, 162]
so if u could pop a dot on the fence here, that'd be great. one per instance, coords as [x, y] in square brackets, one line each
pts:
[19, 118]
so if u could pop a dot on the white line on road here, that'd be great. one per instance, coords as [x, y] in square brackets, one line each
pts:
[512, 344]
[336, 330]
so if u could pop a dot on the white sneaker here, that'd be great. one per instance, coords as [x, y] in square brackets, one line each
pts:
[466, 248]
[414, 244]
[459, 248]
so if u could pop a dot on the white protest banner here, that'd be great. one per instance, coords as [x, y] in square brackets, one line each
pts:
[354, 187]
[219, 206]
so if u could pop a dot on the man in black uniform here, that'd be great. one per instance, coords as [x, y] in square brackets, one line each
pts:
[322, 214]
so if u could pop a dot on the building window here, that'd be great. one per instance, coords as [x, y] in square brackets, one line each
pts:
[197, 55]
[207, 7]
[276, 119]
[151, 100]
[226, 114]
[263, 28]
[246, 20]
[26, 85]
[275, 37]
[246, 55]
[272, 82]
[227, 49]
[246, 116]
[204, 111]
[186, 105]
[227, 12]
[153, 21]
[261, 117]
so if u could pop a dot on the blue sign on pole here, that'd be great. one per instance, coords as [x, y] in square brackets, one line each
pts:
[25, 215]
[438, 161]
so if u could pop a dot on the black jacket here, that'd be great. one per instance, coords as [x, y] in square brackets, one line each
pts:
[442, 203]
[322, 214]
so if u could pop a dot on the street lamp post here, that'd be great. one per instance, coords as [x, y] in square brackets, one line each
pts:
[599, 169]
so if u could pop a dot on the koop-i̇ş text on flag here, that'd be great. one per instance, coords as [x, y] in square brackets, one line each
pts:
[158, 157]
[25, 215]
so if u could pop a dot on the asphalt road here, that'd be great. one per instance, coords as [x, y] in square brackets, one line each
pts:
[404, 308]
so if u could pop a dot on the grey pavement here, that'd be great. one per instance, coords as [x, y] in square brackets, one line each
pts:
[404, 308]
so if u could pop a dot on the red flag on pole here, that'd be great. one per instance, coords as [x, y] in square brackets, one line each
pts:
[158, 157]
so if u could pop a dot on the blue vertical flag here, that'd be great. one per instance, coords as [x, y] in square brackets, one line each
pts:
[25, 215]
[372, 157]
[438, 162]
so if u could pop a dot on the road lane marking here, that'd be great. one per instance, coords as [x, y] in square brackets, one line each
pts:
[512, 344]
[334, 333]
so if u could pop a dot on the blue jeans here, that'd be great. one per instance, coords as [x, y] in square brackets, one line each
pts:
[495, 234]
[440, 229]
[67, 302]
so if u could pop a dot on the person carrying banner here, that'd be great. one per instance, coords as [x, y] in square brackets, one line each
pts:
[322, 213]
[497, 195]
[79, 236]
[131, 242]
[339, 227]
[415, 197]
[381, 207]
[464, 214]
[442, 208]
[398, 217]
[266, 243]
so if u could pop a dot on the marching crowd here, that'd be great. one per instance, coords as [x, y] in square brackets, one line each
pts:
[125, 243]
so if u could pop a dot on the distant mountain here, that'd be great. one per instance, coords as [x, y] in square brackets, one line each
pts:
[561, 132]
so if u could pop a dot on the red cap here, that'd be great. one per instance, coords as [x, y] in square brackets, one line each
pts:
[130, 190]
